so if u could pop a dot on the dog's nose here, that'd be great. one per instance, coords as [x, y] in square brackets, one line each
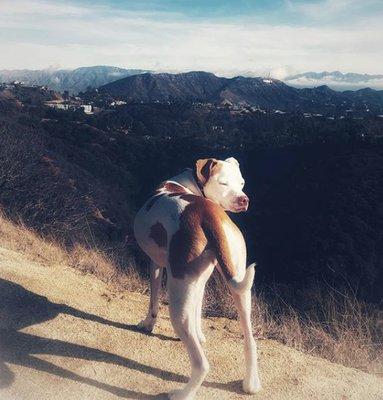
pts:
[243, 201]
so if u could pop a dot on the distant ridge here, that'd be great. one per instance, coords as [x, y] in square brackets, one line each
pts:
[336, 80]
[74, 81]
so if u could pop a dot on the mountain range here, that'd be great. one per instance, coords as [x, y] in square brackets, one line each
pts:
[267, 93]
[259, 92]
[73, 81]
[80, 79]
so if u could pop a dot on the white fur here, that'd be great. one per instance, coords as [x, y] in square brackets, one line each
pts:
[186, 295]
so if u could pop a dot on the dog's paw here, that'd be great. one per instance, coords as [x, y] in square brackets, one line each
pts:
[146, 325]
[251, 386]
[180, 394]
[201, 337]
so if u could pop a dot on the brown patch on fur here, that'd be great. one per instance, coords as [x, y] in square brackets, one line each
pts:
[170, 186]
[200, 228]
[175, 188]
[171, 189]
[166, 188]
[161, 186]
[206, 168]
[158, 234]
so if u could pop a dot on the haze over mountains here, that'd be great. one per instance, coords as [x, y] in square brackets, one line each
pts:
[80, 79]
[336, 80]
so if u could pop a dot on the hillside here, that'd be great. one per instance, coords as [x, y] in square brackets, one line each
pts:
[77, 187]
[68, 336]
[162, 87]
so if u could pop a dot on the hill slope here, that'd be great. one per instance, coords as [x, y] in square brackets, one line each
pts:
[162, 87]
[69, 336]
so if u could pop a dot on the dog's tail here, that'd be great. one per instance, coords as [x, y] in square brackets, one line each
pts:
[246, 283]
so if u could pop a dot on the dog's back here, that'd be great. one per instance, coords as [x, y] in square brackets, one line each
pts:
[175, 227]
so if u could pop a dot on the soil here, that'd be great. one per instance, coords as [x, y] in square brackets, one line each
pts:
[69, 336]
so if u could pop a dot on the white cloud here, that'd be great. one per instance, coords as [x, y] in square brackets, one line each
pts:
[44, 8]
[38, 33]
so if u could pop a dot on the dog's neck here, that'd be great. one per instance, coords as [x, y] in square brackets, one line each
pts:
[188, 179]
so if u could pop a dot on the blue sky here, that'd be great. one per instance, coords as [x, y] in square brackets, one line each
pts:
[276, 37]
[198, 8]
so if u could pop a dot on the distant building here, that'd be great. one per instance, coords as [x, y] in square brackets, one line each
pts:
[260, 110]
[61, 106]
[118, 103]
[69, 105]
[87, 108]
[58, 104]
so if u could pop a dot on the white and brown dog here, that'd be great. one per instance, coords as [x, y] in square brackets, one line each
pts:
[184, 227]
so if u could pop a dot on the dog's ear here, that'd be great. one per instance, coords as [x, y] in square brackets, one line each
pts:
[204, 169]
[232, 160]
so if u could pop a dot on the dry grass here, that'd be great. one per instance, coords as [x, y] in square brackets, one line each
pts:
[118, 269]
[18, 237]
[337, 326]
[341, 329]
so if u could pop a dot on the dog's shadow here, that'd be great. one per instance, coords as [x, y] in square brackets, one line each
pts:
[20, 308]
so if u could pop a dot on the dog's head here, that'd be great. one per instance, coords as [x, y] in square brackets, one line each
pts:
[223, 183]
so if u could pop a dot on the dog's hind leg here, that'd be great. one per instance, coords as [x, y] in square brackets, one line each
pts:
[251, 383]
[155, 285]
[182, 305]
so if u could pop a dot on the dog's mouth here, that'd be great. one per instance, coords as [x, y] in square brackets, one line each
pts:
[238, 209]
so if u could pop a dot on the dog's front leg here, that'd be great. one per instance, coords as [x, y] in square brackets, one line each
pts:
[155, 284]
[199, 306]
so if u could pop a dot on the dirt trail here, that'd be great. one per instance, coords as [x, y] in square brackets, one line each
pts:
[67, 336]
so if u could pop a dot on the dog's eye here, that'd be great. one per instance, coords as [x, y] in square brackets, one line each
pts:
[223, 183]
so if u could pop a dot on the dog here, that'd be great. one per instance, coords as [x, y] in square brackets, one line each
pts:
[184, 227]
